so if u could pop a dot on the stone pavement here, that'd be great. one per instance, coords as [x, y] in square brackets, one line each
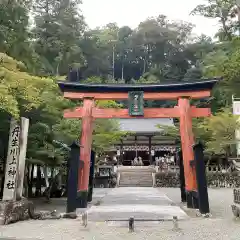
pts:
[143, 203]
[60, 204]
[220, 226]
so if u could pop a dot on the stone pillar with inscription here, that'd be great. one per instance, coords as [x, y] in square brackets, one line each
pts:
[24, 125]
[11, 170]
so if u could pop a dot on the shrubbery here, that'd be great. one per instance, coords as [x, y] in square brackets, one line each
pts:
[214, 179]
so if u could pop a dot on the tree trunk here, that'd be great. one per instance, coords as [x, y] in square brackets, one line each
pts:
[45, 172]
[144, 66]
[38, 183]
[228, 152]
[228, 34]
[52, 173]
[57, 70]
[122, 71]
[30, 181]
[59, 179]
[26, 181]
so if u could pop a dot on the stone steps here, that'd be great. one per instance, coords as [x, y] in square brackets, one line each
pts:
[136, 177]
[136, 169]
[135, 185]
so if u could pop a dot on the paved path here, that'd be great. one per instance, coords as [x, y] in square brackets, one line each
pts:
[138, 202]
[221, 226]
[60, 204]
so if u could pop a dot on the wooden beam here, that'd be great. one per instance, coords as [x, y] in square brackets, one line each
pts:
[148, 113]
[147, 95]
[200, 112]
[123, 113]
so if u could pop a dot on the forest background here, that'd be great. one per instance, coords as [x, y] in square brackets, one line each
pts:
[40, 40]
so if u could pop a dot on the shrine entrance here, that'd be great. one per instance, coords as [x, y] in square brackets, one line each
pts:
[146, 140]
[136, 94]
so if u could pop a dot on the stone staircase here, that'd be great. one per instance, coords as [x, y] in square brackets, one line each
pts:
[136, 176]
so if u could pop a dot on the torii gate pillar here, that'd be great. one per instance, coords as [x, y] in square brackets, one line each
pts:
[187, 141]
[85, 153]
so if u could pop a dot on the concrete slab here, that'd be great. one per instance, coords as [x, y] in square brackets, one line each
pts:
[141, 203]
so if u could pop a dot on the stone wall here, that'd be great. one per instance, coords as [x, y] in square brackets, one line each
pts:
[214, 179]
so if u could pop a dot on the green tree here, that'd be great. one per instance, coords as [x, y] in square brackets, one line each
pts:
[97, 54]
[224, 11]
[59, 27]
[217, 132]
[14, 31]
[224, 62]
[220, 130]
[158, 50]
[38, 99]
[19, 90]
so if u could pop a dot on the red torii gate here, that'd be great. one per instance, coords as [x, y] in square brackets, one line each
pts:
[182, 92]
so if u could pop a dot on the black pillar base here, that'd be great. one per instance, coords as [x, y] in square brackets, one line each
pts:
[195, 201]
[192, 200]
[91, 177]
[201, 179]
[82, 199]
[189, 200]
[179, 160]
[90, 193]
[183, 195]
[73, 164]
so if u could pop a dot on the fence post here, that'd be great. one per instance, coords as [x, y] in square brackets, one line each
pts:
[175, 223]
[131, 224]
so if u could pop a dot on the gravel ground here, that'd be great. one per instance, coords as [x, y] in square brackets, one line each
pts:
[220, 226]
[220, 201]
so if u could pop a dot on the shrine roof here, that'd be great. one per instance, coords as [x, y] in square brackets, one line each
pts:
[203, 84]
[144, 125]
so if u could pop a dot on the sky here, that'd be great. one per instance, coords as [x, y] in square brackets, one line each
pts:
[131, 12]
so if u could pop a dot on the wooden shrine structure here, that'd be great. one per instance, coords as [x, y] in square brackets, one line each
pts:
[136, 94]
[146, 139]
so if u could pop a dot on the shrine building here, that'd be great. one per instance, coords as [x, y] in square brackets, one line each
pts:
[145, 140]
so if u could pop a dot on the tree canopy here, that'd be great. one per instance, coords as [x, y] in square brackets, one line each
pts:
[41, 40]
